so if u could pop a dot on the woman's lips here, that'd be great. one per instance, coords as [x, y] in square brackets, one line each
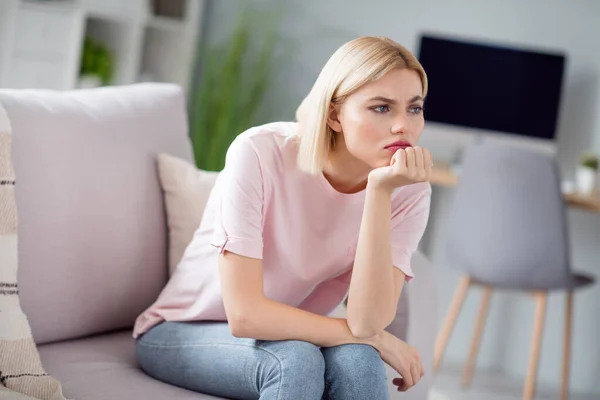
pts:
[395, 147]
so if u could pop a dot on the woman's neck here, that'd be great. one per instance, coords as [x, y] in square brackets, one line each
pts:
[345, 173]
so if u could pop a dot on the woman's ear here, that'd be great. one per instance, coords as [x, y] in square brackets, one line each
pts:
[333, 118]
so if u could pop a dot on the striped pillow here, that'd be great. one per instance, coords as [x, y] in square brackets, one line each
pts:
[21, 369]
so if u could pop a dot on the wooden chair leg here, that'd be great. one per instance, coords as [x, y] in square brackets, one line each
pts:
[455, 306]
[564, 391]
[479, 327]
[536, 343]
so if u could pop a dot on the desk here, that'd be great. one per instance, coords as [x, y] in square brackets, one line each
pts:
[442, 175]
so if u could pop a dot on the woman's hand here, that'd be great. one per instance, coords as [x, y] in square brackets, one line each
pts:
[404, 358]
[407, 166]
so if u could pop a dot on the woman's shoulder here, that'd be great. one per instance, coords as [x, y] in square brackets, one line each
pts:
[270, 142]
[268, 134]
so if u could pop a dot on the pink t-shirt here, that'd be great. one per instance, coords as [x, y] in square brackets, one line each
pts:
[304, 231]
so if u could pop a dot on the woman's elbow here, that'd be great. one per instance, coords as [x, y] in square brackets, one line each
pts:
[363, 330]
[238, 325]
[237, 330]
[368, 327]
[242, 320]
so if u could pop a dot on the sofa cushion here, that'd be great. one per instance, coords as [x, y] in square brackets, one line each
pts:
[93, 236]
[104, 367]
[21, 370]
[186, 189]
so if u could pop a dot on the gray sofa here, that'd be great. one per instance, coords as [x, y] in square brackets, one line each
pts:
[93, 234]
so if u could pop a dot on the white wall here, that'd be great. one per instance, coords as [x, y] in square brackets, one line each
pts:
[314, 29]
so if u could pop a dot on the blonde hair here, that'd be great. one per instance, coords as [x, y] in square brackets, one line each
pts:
[354, 64]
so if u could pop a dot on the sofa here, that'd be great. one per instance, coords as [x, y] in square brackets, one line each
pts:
[94, 239]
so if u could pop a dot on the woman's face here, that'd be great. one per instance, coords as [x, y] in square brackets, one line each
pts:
[379, 114]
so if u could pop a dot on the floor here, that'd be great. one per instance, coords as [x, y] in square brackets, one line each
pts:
[489, 386]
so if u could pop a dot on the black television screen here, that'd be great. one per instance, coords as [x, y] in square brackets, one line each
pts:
[491, 87]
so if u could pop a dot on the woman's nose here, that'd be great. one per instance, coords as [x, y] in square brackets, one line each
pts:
[399, 125]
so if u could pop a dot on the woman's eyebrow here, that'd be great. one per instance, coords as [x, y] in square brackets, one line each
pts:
[392, 101]
[383, 99]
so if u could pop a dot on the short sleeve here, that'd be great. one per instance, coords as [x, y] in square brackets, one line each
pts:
[409, 220]
[238, 224]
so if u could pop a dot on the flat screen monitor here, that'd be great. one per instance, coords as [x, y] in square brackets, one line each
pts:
[492, 87]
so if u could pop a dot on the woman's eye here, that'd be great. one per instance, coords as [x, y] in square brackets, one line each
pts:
[416, 110]
[381, 109]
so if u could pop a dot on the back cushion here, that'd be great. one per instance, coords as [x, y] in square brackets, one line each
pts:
[92, 230]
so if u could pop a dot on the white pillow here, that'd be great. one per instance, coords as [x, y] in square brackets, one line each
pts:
[186, 190]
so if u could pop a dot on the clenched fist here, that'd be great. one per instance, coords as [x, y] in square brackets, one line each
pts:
[407, 166]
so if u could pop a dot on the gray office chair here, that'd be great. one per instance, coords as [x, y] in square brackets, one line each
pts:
[507, 230]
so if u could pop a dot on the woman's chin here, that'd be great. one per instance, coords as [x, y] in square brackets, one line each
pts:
[377, 162]
[384, 162]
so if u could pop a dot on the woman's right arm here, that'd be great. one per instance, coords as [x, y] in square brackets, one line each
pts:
[251, 314]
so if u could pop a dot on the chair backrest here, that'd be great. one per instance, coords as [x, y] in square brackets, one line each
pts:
[507, 225]
[92, 228]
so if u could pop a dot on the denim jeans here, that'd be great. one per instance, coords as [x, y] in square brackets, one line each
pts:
[207, 358]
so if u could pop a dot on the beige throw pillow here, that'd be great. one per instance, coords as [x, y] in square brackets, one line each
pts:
[186, 190]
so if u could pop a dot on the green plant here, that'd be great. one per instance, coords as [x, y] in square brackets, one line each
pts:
[97, 60]
[589, 160]
[233, 80]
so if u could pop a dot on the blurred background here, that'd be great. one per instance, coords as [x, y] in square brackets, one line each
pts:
[492, 65]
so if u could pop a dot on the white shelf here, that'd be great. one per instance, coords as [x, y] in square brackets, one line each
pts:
[145, 46]
[123, 39]
[120, 10]
[167, 24]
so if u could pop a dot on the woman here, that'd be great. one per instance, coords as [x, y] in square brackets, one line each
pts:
[302, 214]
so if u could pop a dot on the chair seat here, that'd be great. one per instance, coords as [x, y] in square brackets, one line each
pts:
[104, 367]
[574, 282]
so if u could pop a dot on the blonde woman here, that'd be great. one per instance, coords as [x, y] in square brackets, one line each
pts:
[302, 214]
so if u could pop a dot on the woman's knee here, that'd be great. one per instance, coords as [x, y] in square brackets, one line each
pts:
[354, 365]
[297, 367]
[362, 355]
[301, 358]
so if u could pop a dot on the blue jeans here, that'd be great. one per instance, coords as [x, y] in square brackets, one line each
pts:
[205, 357]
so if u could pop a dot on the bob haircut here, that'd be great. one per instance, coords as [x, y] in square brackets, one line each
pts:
[360, 61]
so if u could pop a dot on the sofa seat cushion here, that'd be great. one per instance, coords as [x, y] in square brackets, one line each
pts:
[104, 367]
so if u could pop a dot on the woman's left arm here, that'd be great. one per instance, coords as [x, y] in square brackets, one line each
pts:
[386, 242]
[376, 284]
